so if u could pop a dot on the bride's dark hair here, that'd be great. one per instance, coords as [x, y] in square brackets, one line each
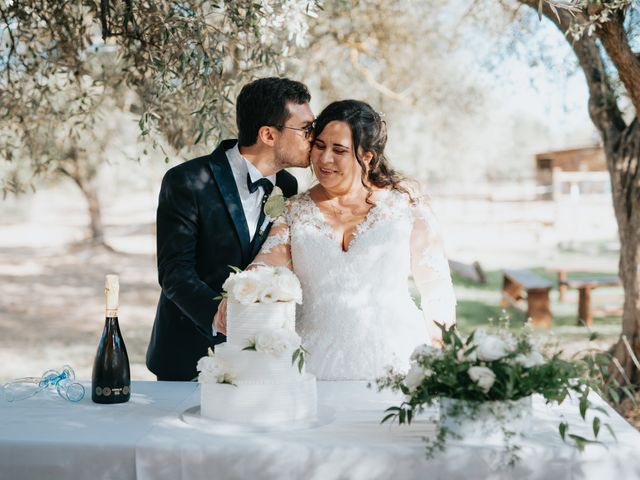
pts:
[369, 134]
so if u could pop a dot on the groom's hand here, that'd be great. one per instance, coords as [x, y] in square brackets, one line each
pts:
[220, 318]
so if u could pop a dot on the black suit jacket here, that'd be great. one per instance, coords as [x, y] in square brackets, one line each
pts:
[201, 231]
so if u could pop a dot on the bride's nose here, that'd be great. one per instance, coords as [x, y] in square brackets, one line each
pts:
[325, 157]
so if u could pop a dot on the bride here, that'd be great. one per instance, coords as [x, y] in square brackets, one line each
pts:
[353, 240]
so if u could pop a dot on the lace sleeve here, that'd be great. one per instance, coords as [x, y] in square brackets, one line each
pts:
[430, 269]
[276, 249]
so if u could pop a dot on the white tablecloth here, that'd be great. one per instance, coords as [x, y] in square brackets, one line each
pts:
[46, 437]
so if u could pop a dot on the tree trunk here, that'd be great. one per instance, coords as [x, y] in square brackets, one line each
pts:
[95, 214]
[85, 178]
[622, 150]
[625, 182]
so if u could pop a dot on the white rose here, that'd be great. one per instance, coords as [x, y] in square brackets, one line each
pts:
[510, 341]
[532, 359]
[490, 347]
[228, 283]
[245, 289]
[210, 369]
[291, 339]
[263, 274]
[416, 376]
[277, 342]
[267, 294]
[282, 271]
[483, 376]
[425, 350]
[286, 286]
[226, 377]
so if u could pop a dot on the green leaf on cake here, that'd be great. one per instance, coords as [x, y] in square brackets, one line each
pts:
[251, 345]
[298, 355]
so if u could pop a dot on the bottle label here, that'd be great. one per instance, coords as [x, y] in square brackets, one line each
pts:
[115, 391]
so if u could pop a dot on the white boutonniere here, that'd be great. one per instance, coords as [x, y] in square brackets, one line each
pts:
[273, 208]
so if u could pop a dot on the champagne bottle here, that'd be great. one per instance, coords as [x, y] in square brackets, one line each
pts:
[111, 380]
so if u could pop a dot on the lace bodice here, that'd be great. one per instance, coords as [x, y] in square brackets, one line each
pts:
[357, 314]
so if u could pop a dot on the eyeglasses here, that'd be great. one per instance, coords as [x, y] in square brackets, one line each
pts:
[308, 131]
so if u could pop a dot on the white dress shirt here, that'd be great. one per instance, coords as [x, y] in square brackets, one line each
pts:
[251, 202]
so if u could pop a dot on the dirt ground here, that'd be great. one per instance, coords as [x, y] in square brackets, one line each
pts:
[52, 287]
[52, 308]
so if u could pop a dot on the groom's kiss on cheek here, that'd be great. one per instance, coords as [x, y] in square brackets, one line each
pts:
[293, 142]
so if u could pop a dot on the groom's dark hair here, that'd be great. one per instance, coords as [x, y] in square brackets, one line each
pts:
[264, 102]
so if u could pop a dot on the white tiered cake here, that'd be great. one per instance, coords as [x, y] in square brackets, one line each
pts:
[252, 379]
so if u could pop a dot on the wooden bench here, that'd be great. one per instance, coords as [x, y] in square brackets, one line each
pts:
[524, 284]
[473, 272]
[584, 286]
[562, 273]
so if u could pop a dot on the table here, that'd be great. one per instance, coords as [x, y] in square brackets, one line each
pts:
[584, 286]
[514, 285]
[47, 437]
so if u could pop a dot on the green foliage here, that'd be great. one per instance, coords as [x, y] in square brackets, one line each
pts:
[507, 367]
[176, 64]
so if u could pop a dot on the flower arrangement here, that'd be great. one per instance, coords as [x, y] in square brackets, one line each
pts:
[484, 372]
[213, 370]
[279, 342]
[264, 284]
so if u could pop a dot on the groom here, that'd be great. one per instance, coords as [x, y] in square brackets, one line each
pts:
[209, 218]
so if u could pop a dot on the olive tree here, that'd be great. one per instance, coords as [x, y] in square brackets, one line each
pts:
[174, 65]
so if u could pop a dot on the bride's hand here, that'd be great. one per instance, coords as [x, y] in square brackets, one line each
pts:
[435, 334]
[220, 318]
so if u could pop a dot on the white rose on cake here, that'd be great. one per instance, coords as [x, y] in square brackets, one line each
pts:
[277, 342]
[211, 369]
[245, 288]
[264, 284]
[286, 286]
[228, 283]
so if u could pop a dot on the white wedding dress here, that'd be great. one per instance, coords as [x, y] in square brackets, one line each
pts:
[357, 315]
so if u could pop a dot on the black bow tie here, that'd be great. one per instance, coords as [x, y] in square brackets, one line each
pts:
[265, 183]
